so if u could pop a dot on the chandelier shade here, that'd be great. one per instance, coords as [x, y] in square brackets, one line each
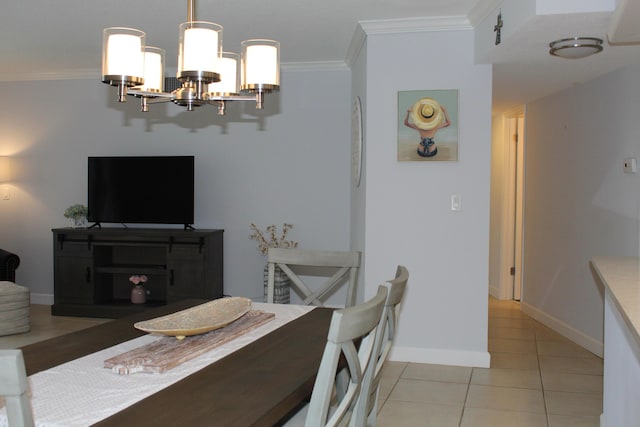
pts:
[260, 59]
[228, 68]
[122, 58]
[208, 75]
[153, 69]
[199, 48]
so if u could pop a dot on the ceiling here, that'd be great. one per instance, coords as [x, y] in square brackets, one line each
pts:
[44, 39]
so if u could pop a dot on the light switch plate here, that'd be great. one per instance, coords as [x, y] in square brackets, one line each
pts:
[630, 165]
[456, 203]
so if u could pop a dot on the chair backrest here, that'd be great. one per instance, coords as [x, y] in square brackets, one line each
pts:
[366, 408]
[345, 266]
[13, 386]
[356, 325]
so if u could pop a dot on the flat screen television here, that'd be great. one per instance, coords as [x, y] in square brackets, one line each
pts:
[149, 190]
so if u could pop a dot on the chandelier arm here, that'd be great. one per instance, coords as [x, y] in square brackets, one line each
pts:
[149, 94]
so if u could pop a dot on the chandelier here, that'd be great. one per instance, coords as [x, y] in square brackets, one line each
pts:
[207, 74]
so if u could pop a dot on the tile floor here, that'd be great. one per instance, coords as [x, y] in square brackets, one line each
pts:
[537, 377]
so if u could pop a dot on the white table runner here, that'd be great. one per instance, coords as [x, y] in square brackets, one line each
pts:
[82, 392]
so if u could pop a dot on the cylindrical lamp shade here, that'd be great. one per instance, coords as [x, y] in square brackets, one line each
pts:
[123, 55]
[260, 64]
[229, 75]
[200, 46]
[153, 69]
[5, 173]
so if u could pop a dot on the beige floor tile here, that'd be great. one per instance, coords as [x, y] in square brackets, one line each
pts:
[511, 346]
[476, 417]
[507, 312]
[391, 372]
[514, 361]
[526, 334]
[581, 404]
[412, 414]
[505, 398]
[452, 374]
[544, 333]
[393, 369]
[573, 421]
[517, 378]
[571, 365]
[562, 349]
[501, 322]
[428, 392]
[577, 383]
[386, 385]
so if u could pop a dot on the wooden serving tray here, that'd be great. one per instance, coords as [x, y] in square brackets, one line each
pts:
[168, 352]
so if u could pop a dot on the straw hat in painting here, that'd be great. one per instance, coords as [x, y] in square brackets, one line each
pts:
[426, 113]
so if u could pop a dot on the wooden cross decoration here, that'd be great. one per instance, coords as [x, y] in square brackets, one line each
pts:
[498, 27]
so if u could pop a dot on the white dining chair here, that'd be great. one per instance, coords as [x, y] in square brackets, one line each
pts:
[351, 337]
[343, 267]
[366, 410]
[13, 387]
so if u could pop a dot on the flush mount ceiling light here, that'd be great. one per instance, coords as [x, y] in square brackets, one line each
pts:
[208, 75]
[575, 47]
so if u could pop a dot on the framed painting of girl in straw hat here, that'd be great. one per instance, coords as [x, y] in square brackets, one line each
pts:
[428, 125]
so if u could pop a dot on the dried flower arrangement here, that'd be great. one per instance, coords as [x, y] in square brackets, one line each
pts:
[269, 238]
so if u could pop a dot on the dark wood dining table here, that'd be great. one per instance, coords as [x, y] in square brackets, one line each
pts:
[257, 385]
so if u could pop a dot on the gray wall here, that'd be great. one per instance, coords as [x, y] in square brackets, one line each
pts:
[407, 205]
[578, 201]
[288, 163]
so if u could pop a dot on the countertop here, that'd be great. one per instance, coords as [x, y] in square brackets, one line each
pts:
[621, 277]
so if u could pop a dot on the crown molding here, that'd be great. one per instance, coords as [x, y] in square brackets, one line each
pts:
[399, 26]
[481, 10]
[414, 25]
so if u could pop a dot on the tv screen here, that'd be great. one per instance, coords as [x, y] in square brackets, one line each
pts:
[151, 190]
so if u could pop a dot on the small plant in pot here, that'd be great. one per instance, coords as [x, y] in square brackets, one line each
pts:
[138, 293]
[77, 215]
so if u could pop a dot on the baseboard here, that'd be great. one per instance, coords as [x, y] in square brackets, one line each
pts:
[494, 291]
[569, 332]
[44, 299]
[476, 359]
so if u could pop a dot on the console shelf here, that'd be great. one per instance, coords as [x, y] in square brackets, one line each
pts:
[92, 268]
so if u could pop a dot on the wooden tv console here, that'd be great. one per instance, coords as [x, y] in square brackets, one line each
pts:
[92, 268]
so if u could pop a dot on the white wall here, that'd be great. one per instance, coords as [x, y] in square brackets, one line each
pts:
[407, 210]
[578, 201]
[289, 163]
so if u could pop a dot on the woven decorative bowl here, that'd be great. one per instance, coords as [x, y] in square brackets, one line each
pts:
[199, 319]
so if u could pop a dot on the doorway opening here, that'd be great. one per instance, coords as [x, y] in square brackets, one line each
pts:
[515, 202]
[507, 213]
